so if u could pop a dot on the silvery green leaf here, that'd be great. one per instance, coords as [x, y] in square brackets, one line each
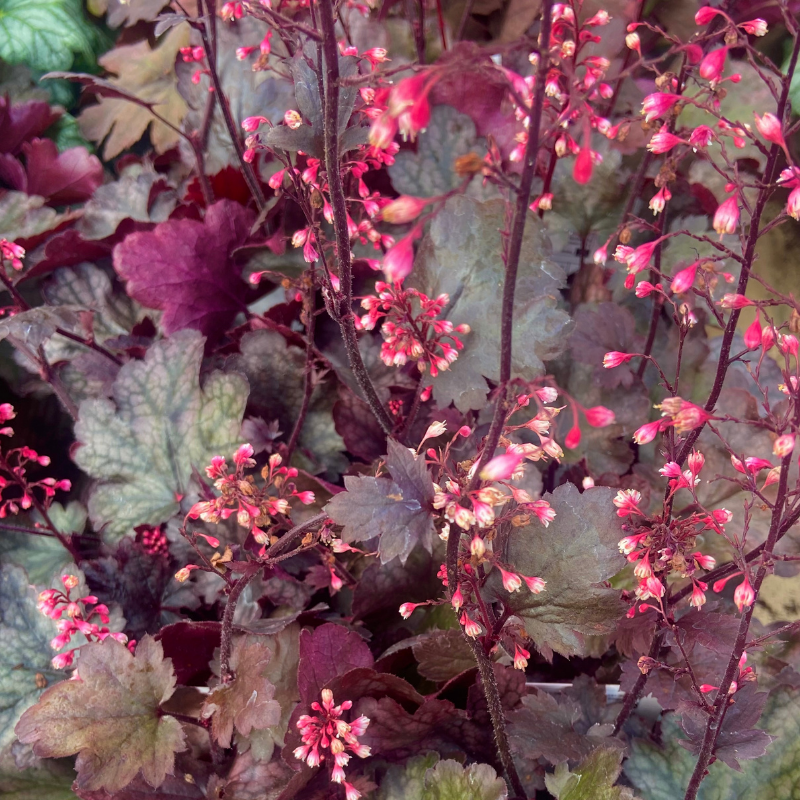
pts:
[141, 446]
[461, 257]
[429, 171]
[25, 668]
[449, 780]
[35, 326]
[22, 216]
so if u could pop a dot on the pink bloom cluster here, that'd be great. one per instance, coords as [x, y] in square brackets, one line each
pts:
[14, 464]
[254, 506]
[412, 330]
[74, 616]
[9, 251]
[327, 731]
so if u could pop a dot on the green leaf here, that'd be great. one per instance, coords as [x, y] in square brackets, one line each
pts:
[41, 780]
[42, 557]
[575, 555]
[407, 782]
[65, 133]
[247, 702]
[449, 780]
[46, 34]
[592, 779]
[110, 717]
[661, 772]
[429, 172]
[162, 423]
[25, 654]
[460, 257]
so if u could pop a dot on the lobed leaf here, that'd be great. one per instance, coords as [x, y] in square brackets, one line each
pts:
[142, 446]
[109, 717]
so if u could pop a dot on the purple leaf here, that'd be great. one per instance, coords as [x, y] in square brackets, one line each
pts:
[328, 652]
[23, 121]
[63, 178]
[398, 510]
[184, 267]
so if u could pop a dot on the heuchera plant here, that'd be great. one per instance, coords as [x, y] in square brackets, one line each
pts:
[422, 387]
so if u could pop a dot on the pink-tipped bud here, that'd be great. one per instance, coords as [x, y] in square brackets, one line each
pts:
[769, 126]
[744, 595]
[407, 609]
[783, 445]
[477, 547]
[573, 438]
[713, 64]
[399, 260]
[599, 416]
[755, 27]
[726, 216]
[535, 585]
[582, 172]
[501, 467]
[511, 581]
[752, 336]
[615, 358]
[251, 124]
[457, 600]
[656, 105]
[793, 203]
[647, 433]
[684, 280]
[521, 656]
[404, 209]
[471, 628]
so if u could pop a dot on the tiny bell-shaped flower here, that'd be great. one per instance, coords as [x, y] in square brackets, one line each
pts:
[511, 581]
[793, 203]
[399, 260]
[471, 628]
[656, 105]
[407, 609]
[769, 126]
[684, 280]
[535, 585]
[726, 217]
[647, 433]
[599, 416]
[752, 336]
[521, 656]
[783, 445]
[501, 467]
[744, 595]
[713, 64]
[404, 209]
[615, 358]
[477, 547]
[457, 600]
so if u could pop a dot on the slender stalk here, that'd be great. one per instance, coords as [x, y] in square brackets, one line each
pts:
[308, 377]
[339, 206]
[206, 33]
[226, 634]
[514, 247]
[462, 25]
[632, 697]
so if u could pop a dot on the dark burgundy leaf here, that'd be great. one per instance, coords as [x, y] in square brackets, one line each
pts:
[184, 268]
[738, 738]
[191, 647]
[65, 249]
[328, 652]
[22, 121]
[398, 510]
[356, 424]
[715, 631]
[63, 178]
[634, 634]
[12, 173]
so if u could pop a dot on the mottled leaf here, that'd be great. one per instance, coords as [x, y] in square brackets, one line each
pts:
[25, 216]
[461, 257]
[162, 423]
[661, 771]
[140, 194]
[398, 510]
[184, 267]
[592, 779]
[250, 779]
[328, 652]
[576, 555]
[407, 782]
[449, 780]
[429, 171]
[274, 369]
[43, 779]
[247, 702]
[148, 74]
[110, 717]
[25, 655]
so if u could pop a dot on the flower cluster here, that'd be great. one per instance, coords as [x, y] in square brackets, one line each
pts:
[327, 731]
[255, 507]
[14, 464]
[11, 252]
[412, 330]
[74, 617]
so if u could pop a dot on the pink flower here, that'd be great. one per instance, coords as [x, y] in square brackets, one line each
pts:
[696, 461]
[659, 200]
[755, 27]
[727, 216]
[599, 416]
[793, 203]
[543, 511]
[701, 136]
[735, 301]
[644, 289]
[471, 628]
[521, 656]
[243, 456]
[684, 280]
[705, 15]
[399, 260]
[535, 585]
[663, 142]
[647, 433]
[511, 581]
[640, 257]
[407, 609]
[752, 336]
[698, 597]
[744, 595]
[582, 171]
[769, 126]
[292, 119]
[704, 561]
[783, 445]
[657, 104]
[573, 438]
[615, 358]
[182, 575]
[251, 124]
[404, 209]
[383, 131]
[457, 600]
[713, 64]
[626, 501]
[501, 467]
